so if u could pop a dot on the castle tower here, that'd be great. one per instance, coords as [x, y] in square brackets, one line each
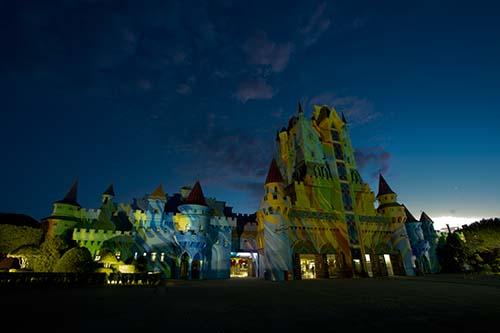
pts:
[65, 214]
[395, 212]
[195, 211]
[156, 206]
[108, 195]
[388, 205]
[430, 236]
[419, 245]
[272, 236]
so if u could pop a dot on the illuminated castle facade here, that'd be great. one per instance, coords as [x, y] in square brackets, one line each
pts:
[181, 236]
[318, 219]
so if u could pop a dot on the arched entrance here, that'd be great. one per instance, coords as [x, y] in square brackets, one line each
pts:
[331, 261]
[306, 261]
[184, 266]
[196, 267]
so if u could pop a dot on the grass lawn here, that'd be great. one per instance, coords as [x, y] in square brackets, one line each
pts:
[400, 304]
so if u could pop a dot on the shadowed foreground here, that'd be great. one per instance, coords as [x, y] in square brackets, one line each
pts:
[248, 305]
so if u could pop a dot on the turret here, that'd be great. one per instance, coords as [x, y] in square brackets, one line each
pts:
[108, 195]
[65, 215]
[431, 236]
[158, 194]
[68, 205]
[388, 205]
[195, 211]
[275, 199]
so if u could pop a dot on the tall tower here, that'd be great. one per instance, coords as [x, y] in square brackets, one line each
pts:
[430, 236]
[65, 214]
[273, 239]
[395, 212]
[156, 206]
[108, 195]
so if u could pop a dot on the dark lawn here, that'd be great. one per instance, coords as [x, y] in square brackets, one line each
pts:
[438, 302]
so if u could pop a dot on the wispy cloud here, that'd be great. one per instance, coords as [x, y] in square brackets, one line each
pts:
[357, 110]
[254, 89]
[262, 51]
[373, 160]
[316, 26]
[184, 89]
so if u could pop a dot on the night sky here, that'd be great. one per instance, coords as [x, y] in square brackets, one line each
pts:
[138, 93]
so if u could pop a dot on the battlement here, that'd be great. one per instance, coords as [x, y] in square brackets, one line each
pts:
[222, 221]
[81, 234]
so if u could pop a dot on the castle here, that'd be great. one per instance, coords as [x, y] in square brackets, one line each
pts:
[317, 219]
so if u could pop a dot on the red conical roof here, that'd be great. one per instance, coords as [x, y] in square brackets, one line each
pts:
[383, 187]
[274, 174]
[196, 197]
[70, 197]
[158, 193]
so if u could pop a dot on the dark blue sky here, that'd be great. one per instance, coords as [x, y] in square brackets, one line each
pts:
[138, 93]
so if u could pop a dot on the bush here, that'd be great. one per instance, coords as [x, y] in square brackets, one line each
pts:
[50, 252]
[76, 260]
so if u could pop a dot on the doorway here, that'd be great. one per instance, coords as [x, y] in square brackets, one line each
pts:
[184, 266]
[307, 266]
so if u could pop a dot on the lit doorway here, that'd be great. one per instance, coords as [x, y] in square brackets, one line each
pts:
[243, 264]
[307, 266]
[388, 265]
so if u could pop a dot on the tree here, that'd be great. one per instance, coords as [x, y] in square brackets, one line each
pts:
[452, 254]
[12, 237]
[50, 252]
[75, 260]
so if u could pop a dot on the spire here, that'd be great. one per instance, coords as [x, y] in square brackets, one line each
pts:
[110, 191]
[196, 197]
[409, 217]
[158, 193]
[383, 187]
[274, 174]
[70, 197]
[425, 218]
[299, 108]
[343, 118]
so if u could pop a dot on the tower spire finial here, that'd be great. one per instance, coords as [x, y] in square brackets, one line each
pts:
[299, 108]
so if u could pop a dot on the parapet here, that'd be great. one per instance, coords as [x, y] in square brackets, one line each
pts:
[94, 234]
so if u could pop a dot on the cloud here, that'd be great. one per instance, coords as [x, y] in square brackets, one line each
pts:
[255, 189]
[358, 23]
[357, 110]
[440, 222]
[180, 57]
[316, 25]
[373, 159]
[184, 89]
[261, 51]
[254, 89]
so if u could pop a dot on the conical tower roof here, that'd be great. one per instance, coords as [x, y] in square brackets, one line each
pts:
[409, 216]
[196, 196]
[343, 118]
[158, 193]
[274, 174]
[110, 190]
[425, 218]
[70, 198]
[383, 187]
[299, 108]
